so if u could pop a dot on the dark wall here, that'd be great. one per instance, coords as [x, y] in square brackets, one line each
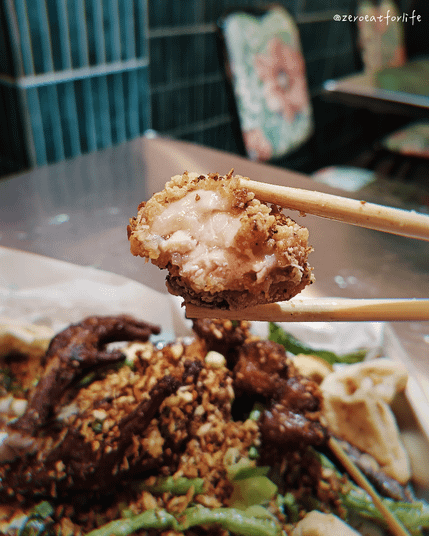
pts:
[188, 91]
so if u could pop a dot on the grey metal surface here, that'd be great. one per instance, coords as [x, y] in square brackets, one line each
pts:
[78, 211]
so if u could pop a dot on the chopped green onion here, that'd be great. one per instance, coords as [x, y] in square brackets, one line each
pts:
[233, 469]
[289, 506]
[257, 409]
[253, 453]
[38, 521]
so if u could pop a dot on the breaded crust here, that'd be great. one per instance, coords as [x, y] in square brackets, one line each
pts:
[250, 254]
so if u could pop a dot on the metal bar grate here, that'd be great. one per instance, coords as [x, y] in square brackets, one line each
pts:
[81, 73]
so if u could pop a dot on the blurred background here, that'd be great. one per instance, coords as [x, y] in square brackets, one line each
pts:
[80, 75]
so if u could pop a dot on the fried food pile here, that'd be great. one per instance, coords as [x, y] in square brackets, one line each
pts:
[101, 418]
[215, 433]
[222, 247]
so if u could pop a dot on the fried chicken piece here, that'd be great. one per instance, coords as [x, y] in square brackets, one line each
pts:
[47, 452]
[66, 462]
[223, 336]
[290, 429]
[222, 247]
[261, 369]
[291, 419]
[76, 351]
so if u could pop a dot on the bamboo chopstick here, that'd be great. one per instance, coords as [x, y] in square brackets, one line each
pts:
[323, 310]
[392, 522]
[360, 213]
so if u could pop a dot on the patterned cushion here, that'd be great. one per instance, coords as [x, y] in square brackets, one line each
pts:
[269, 79]
[412, 140]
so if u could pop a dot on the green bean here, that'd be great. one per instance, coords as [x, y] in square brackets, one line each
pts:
[414, 516]
[295, 346]
[151, 519]
[176, 486]
[236, 521]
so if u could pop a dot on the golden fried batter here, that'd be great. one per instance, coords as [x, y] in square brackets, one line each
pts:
[222, 247]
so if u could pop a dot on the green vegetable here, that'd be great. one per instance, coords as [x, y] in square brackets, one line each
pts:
[39, 521]
[253, 453]
[245, 468]
[7, 379]
[237, 521]
[414, 515]
[290, 507]
[255, 522]
[252, 491]
[97, 426]
[251, 486]
[257, 409]
[295, 346]
[151, 519]
[249, 472]
[9, 382]
[176, 486]
[243, 464]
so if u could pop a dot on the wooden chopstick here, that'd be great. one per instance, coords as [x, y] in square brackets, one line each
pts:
[323, 310]
[360, 213]
[392, 522]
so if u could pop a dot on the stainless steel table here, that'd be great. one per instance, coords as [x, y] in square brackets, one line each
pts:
[78, 211]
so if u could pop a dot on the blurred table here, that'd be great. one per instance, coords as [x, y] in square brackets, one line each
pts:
[78, 211]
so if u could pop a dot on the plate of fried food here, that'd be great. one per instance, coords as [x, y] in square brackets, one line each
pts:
[119, 416]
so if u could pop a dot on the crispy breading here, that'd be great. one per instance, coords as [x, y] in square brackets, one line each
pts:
[221, 246]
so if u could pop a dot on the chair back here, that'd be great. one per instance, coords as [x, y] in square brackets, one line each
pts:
[381, 37]
[267, 72]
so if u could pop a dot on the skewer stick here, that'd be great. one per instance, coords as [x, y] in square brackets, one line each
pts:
[394, 524]
[360, 213]
[323, 310]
